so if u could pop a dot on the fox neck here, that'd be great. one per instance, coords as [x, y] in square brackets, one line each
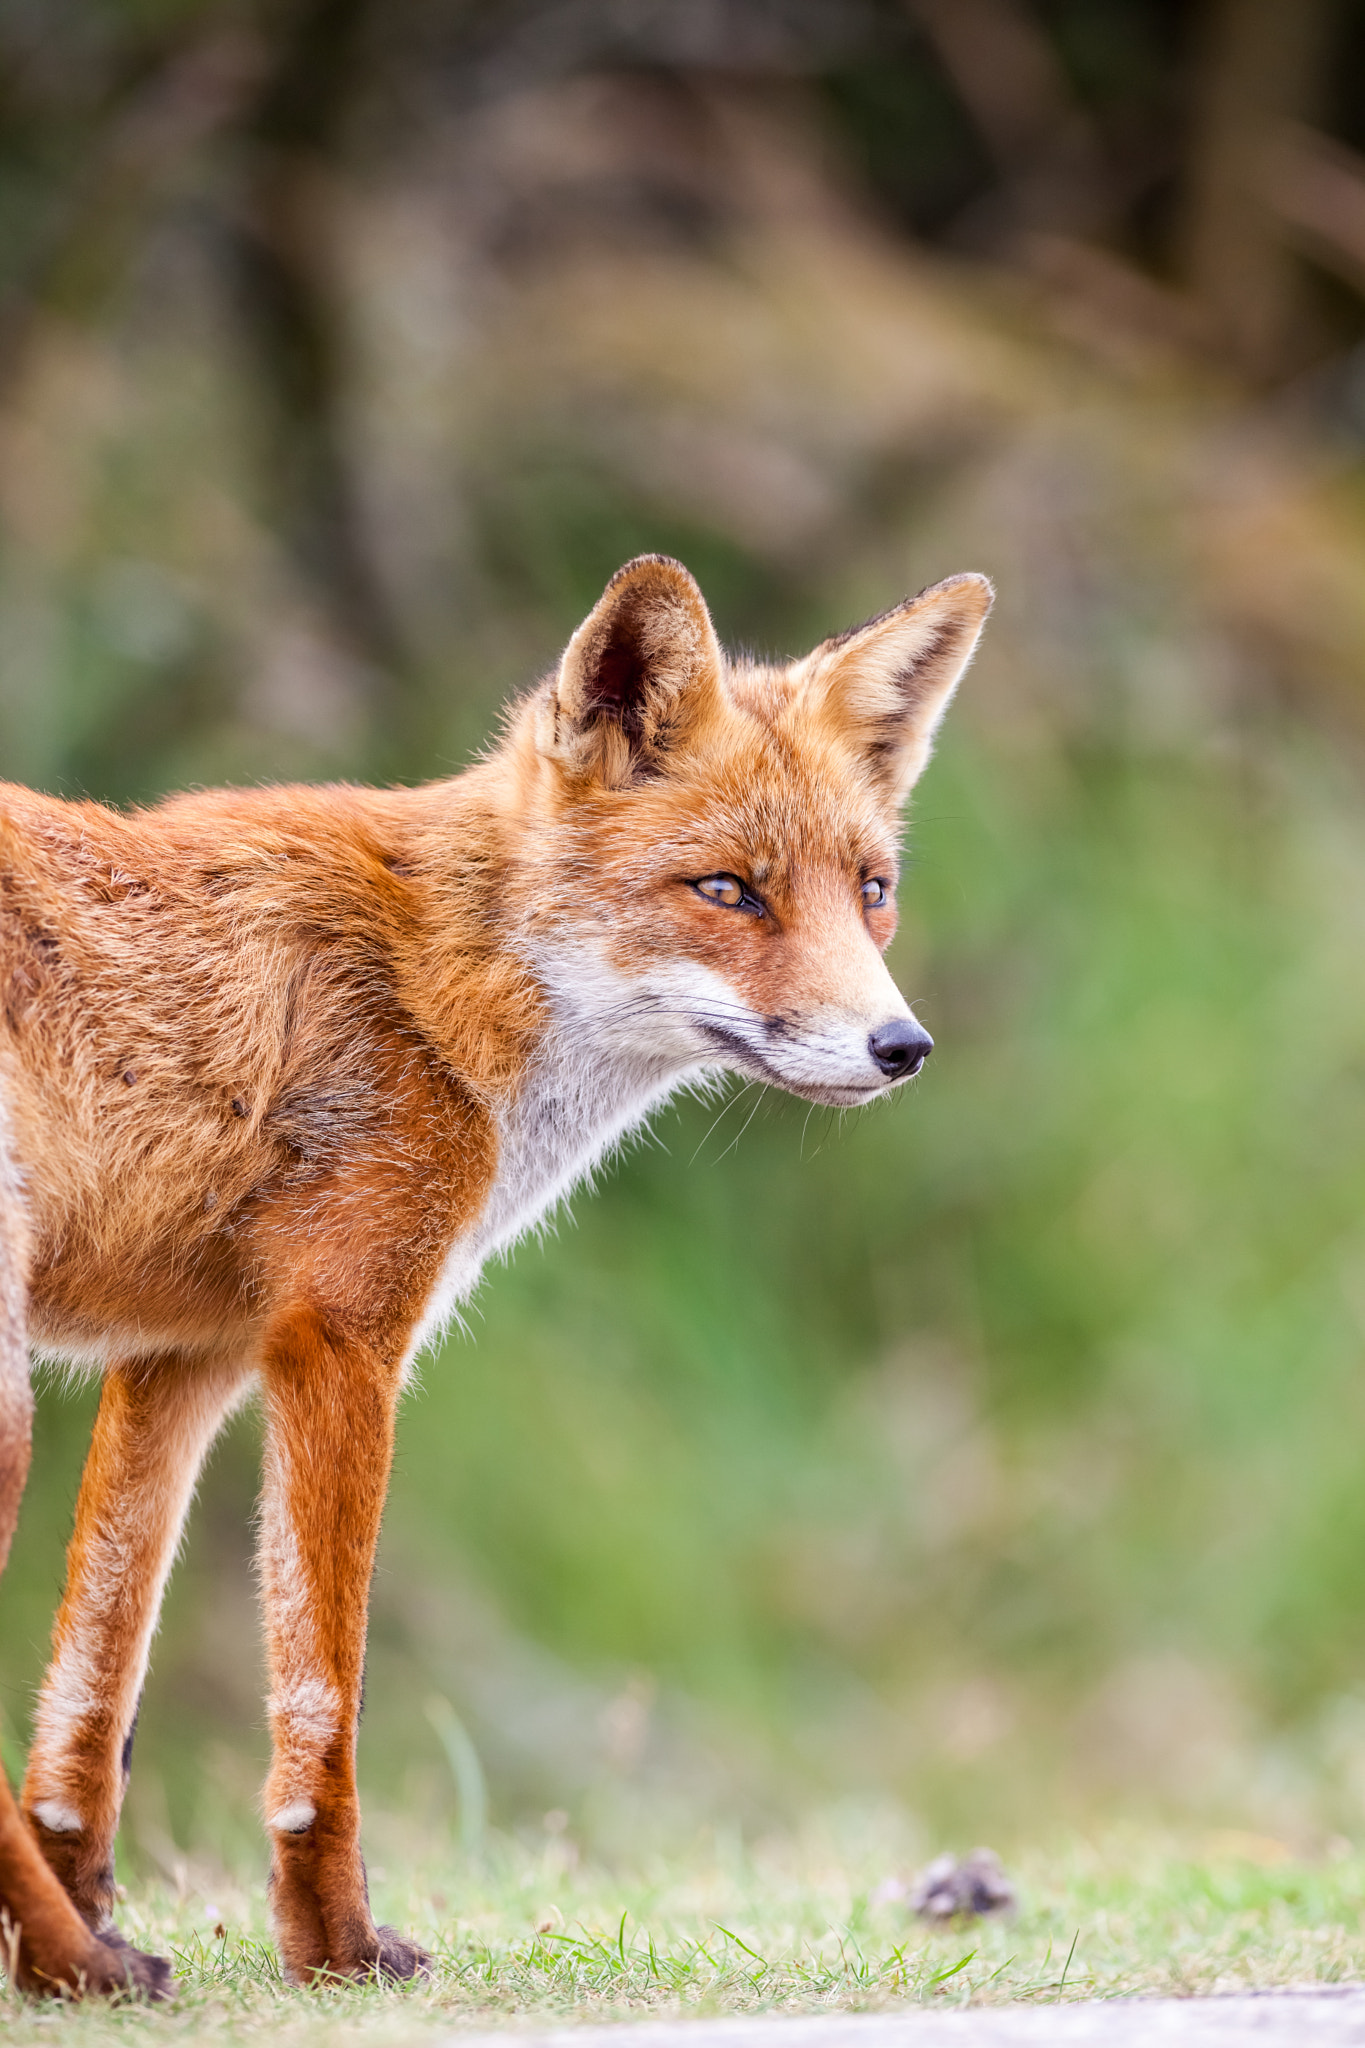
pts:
[584, 1092]
[584, 1089]
[568, 1055]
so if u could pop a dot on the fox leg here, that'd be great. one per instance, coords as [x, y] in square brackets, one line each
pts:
[156, 1419]
[330, 1402]
[44, 1942]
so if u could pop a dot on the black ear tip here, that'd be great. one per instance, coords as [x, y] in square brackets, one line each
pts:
[652, 569]
[971, 583]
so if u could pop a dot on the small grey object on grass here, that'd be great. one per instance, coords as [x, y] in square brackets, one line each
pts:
[974, 1886]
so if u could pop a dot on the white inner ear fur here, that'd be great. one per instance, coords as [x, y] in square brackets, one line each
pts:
[886, 685]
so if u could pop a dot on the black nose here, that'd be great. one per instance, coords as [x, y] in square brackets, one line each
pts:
[901, 1047]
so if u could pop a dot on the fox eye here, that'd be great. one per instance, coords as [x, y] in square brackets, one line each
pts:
[726, 889]
[874, 894]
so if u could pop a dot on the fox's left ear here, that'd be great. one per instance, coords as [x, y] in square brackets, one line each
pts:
[885, 686]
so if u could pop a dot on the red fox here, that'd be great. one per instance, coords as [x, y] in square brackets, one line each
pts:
[280, 1068]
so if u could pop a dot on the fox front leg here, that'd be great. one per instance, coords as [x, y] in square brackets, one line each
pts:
[330, 1405]
[156, 1420]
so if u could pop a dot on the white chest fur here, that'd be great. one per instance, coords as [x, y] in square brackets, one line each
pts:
[578, 1102]
[614, 1049]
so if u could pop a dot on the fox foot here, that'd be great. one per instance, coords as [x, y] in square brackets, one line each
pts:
[400, 1958]
[320, 1908]
[325, 1930]
[151, 1974]
[108, 1963]
[107, 1966]
[384, 1953]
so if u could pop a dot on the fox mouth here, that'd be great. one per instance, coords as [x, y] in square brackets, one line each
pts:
[827, 1094]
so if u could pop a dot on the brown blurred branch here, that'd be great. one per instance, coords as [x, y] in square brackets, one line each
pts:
[1008, 77]
[1316, 188]
[273, 102]
[1261, 71]
[138, 139]
[283, 248]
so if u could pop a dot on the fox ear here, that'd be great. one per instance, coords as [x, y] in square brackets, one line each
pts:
[636, 674]
[885, 686]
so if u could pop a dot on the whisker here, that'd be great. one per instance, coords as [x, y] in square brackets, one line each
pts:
[663, 1006]
[801, 1155]
[722, 1113]
[762, 1091]
[830, 1114]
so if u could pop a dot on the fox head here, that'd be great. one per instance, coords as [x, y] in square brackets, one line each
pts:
[716, 839]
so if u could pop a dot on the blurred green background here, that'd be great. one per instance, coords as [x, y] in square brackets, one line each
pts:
[995, 1459]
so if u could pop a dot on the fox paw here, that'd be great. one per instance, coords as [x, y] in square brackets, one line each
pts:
[151, 1975]
[107, 1967]
[400, 1958]
[137, 1971]
[385, 1954]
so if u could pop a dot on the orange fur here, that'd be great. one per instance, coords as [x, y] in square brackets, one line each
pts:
[279, 1069]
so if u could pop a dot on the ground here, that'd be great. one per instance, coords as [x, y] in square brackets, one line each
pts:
[525, 1932]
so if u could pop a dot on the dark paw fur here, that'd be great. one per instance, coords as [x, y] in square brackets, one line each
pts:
[400, 1958]
[148, 1976]
[151, 1970]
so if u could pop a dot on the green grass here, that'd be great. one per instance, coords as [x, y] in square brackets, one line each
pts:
[528, 1932]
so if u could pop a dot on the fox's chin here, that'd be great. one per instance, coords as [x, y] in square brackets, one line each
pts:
[743, 1059]
[836, 1098]
[826, 1094]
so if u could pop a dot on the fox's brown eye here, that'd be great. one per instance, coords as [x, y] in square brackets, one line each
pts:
[726, 889]
[874, 894]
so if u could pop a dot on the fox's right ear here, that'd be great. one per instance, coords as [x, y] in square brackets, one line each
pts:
[636, 675]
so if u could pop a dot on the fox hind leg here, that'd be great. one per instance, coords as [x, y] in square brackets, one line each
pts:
[156, 1419]
[43, 1940]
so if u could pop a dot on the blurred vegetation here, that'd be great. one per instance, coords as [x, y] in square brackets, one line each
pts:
[999, 1455]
